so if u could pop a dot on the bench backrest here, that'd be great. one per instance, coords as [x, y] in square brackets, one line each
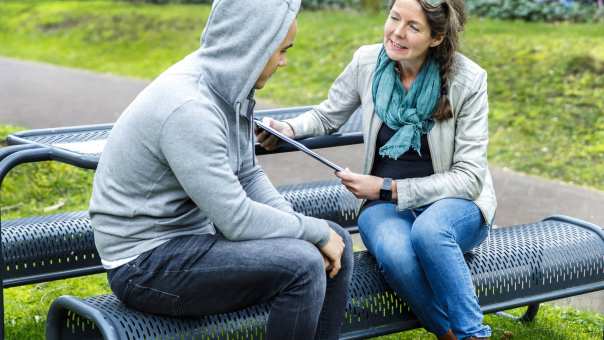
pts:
[61, 246]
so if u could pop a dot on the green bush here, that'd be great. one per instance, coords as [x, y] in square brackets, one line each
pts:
[532, 10]
[314, 4]
[307, 4]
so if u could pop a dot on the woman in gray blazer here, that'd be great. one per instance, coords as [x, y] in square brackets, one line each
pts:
[427, 194]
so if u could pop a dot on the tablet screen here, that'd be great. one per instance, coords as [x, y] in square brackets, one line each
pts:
[298, 145]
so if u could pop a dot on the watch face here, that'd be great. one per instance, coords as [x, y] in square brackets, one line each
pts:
[386, 191]
[385, 195]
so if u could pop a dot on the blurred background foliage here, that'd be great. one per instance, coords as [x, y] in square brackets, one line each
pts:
[529, 10]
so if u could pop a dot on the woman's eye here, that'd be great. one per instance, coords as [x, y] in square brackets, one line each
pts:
[414, 29]
[394, 18]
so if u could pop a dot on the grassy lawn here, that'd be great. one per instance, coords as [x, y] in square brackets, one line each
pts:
[546, 88]
[546, 80]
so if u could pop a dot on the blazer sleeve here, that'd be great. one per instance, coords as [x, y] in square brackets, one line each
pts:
[342, 100]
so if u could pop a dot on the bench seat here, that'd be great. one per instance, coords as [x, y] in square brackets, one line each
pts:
[516, 266]
[45, 248]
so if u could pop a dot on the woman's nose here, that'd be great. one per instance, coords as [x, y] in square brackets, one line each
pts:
[399, 31]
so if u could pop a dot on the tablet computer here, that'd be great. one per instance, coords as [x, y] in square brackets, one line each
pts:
[298, 145]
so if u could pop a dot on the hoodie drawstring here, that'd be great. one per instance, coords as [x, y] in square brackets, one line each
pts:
[249, 114]
[237, 112]
[250, 117]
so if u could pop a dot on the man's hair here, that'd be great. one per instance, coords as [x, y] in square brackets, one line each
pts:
[447, 19]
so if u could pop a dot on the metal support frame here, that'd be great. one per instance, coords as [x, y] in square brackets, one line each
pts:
[10, 157]
[528, 316]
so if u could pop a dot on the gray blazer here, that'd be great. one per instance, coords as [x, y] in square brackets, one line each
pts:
[458, 146]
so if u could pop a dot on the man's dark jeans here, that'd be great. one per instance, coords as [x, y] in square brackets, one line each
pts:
[177, 280]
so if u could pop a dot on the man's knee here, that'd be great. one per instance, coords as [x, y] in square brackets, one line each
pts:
[307, 260]
[344, 234]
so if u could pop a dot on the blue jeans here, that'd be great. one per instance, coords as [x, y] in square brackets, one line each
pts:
[420, 253]
[176, 279]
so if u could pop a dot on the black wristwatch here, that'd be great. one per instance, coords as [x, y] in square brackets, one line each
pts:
[386, 190]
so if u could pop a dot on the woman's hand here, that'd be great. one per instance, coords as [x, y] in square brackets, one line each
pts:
[268, 141]
[362, 186]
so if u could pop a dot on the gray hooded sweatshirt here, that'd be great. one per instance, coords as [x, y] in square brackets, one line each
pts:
[180, 159]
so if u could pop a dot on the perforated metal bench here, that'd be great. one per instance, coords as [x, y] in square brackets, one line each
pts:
[518, 266]
[61, 246]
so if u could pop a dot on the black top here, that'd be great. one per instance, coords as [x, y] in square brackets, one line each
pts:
[408, 165]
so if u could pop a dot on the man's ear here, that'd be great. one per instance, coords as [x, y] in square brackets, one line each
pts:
[437, 40]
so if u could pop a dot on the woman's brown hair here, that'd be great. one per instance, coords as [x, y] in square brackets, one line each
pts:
[446, 18]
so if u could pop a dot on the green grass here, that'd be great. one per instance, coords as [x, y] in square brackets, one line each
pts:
[546, 88]
[546, 81]
[43, 188]
[552, 323]
[26, 307]
[546, 84]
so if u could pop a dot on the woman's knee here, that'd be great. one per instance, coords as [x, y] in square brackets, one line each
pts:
[396, 258]
[378, 223]
[427, 233]
[447, 222]
[376, 214]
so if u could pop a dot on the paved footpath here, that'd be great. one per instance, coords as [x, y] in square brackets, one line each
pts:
[37, 95]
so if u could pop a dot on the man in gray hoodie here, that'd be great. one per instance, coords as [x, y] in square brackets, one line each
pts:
[185, 221]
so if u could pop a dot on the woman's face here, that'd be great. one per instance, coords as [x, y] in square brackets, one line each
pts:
[407, 33]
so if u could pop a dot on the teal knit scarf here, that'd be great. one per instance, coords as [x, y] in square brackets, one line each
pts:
[408, 113]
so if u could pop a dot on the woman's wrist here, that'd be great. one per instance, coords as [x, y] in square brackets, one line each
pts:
[386, 190]
[290, 127]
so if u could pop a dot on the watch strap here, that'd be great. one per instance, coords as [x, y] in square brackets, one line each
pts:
[386, 190]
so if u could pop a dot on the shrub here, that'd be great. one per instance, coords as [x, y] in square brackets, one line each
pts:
[307, 4]
[535, 10]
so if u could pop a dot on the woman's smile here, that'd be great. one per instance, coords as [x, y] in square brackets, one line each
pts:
[397, 47]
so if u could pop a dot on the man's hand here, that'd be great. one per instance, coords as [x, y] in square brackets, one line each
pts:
[268, 141]
[362, 186]
[332, 252]
[326, 264]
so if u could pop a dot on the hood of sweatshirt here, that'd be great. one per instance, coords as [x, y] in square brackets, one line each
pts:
[239, 39]
[237, 42]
